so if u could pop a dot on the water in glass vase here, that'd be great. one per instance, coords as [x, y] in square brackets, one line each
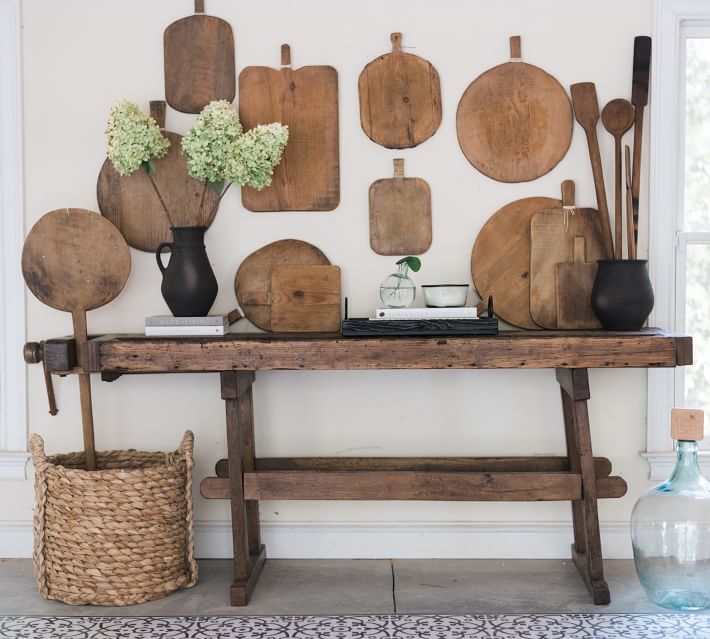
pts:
[398, 290]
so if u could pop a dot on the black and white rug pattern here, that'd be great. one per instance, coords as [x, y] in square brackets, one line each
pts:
[562, 626]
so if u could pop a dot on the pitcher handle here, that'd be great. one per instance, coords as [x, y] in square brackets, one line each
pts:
[158, 252]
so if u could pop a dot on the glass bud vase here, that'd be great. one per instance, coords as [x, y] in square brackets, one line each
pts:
[670, 527]
[398, 290]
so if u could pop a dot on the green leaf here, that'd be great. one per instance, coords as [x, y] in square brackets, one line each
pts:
[412, 262]
[149, 166]
[216, 186]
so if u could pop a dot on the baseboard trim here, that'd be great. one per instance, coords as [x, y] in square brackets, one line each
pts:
[13, 464]
[373, 540]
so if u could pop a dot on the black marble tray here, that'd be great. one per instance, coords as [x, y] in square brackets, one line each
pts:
[363, 327]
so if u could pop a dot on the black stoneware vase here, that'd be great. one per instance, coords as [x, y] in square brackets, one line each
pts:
[189, 285]
[622, 297]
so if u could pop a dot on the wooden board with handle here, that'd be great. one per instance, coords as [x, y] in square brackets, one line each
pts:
[131, 203]
[552, 234]
[514, 122]
[199, 61]
[500, 260]
[573, 290]
[639, 98]
[252, 283]
[305, 299]
[400, 214]
[306, 100]
[75, 260]
[400, 98]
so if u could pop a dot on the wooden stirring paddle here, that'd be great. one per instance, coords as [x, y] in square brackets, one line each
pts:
[617, 118]
[76, 260]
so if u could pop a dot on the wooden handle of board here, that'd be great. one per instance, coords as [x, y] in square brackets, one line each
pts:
[87, 417]
[631, 255]
[285, 55]
[157, 112]
[199, 6]
[567, 193]
[396, 39]
[617, 198]
[398, 167]
[515, 48]
[636, 173]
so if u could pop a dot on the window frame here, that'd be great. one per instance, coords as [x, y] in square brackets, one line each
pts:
[673, 21]
[13, 385]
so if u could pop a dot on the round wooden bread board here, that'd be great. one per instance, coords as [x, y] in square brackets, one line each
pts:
[514, 122]
[75, 260]
[500, 260]
[252, 283]
[132, 205]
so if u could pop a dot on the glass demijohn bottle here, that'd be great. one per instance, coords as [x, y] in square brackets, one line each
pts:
[398, 289]
[670, 526]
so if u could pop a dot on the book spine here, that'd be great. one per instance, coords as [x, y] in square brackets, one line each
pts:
[183, 331]
[426, 313]
[168, 320]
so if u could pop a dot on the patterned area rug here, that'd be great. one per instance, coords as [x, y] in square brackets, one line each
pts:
[568, 626]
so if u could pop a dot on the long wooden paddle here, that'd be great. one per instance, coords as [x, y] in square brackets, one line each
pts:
[76, 260]
[586, 112]
[639, 98]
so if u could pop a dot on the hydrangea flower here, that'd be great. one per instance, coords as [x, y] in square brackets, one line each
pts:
[255, 154]
[208, 144]
[133, 138]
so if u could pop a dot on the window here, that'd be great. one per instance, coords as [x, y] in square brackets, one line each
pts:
[679, 248]
[13, 426]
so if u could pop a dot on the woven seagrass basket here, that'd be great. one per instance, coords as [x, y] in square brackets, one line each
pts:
[116, 536]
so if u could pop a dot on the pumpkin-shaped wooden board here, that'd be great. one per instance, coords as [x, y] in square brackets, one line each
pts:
[199, 61]
[514, 122]
[400, 98]
[252, 283]
[131, 203]
[500, 261]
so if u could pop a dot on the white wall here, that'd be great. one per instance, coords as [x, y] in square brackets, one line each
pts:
[80, 56]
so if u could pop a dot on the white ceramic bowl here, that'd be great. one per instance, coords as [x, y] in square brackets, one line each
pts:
[443, 295]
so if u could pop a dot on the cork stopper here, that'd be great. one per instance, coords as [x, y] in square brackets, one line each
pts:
[687, 424]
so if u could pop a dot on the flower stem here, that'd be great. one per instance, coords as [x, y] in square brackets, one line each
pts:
[202, 204]
[216, 206]
[160, 197]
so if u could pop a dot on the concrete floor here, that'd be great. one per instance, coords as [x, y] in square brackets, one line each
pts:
[364, 586]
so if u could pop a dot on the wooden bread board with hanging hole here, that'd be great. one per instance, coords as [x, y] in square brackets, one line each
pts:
[552, 233]
[305, 299]
[500, 260]
[573, 290]
[306, 100]
[199, 61]
[400, 98]
[132, 205]
[514, 122]
[400, 214]
[252, 283]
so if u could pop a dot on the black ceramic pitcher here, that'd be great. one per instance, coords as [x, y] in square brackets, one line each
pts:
[189, 285]
[622, 297]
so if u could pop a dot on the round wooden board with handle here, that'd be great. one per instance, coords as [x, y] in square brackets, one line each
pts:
[514, 122]
[132, 205]
[500, 261]
[252, 283]
[400, 98]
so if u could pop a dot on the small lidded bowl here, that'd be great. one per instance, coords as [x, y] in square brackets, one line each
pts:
[445, 295]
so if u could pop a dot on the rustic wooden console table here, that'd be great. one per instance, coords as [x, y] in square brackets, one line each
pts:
[244, 479]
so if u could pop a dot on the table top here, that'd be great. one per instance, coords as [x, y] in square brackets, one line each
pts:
[648, 348]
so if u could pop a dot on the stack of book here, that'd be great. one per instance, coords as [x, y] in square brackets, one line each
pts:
[163, 325]
[451, 312]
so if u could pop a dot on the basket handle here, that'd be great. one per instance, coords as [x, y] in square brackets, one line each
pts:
[186, 446]
[39, 458]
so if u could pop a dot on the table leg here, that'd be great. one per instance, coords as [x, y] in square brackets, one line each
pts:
[249, 553]
[586, 550]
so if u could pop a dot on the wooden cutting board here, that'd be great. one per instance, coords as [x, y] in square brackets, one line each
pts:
[514, 122]
[400, 98]
[199, 61]
[400, 214]
[305, 99]
[252, 283]
[500, 261]
[552, 234]
[131, 204]
[574, 283]
[305, 299]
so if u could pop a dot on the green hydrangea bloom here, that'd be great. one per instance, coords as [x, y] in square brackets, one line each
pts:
[255, 154]
[133, 138]
[208, 143]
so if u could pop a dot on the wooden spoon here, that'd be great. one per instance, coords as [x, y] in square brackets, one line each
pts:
[617, 118]
[586, 112]
[76, 260]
